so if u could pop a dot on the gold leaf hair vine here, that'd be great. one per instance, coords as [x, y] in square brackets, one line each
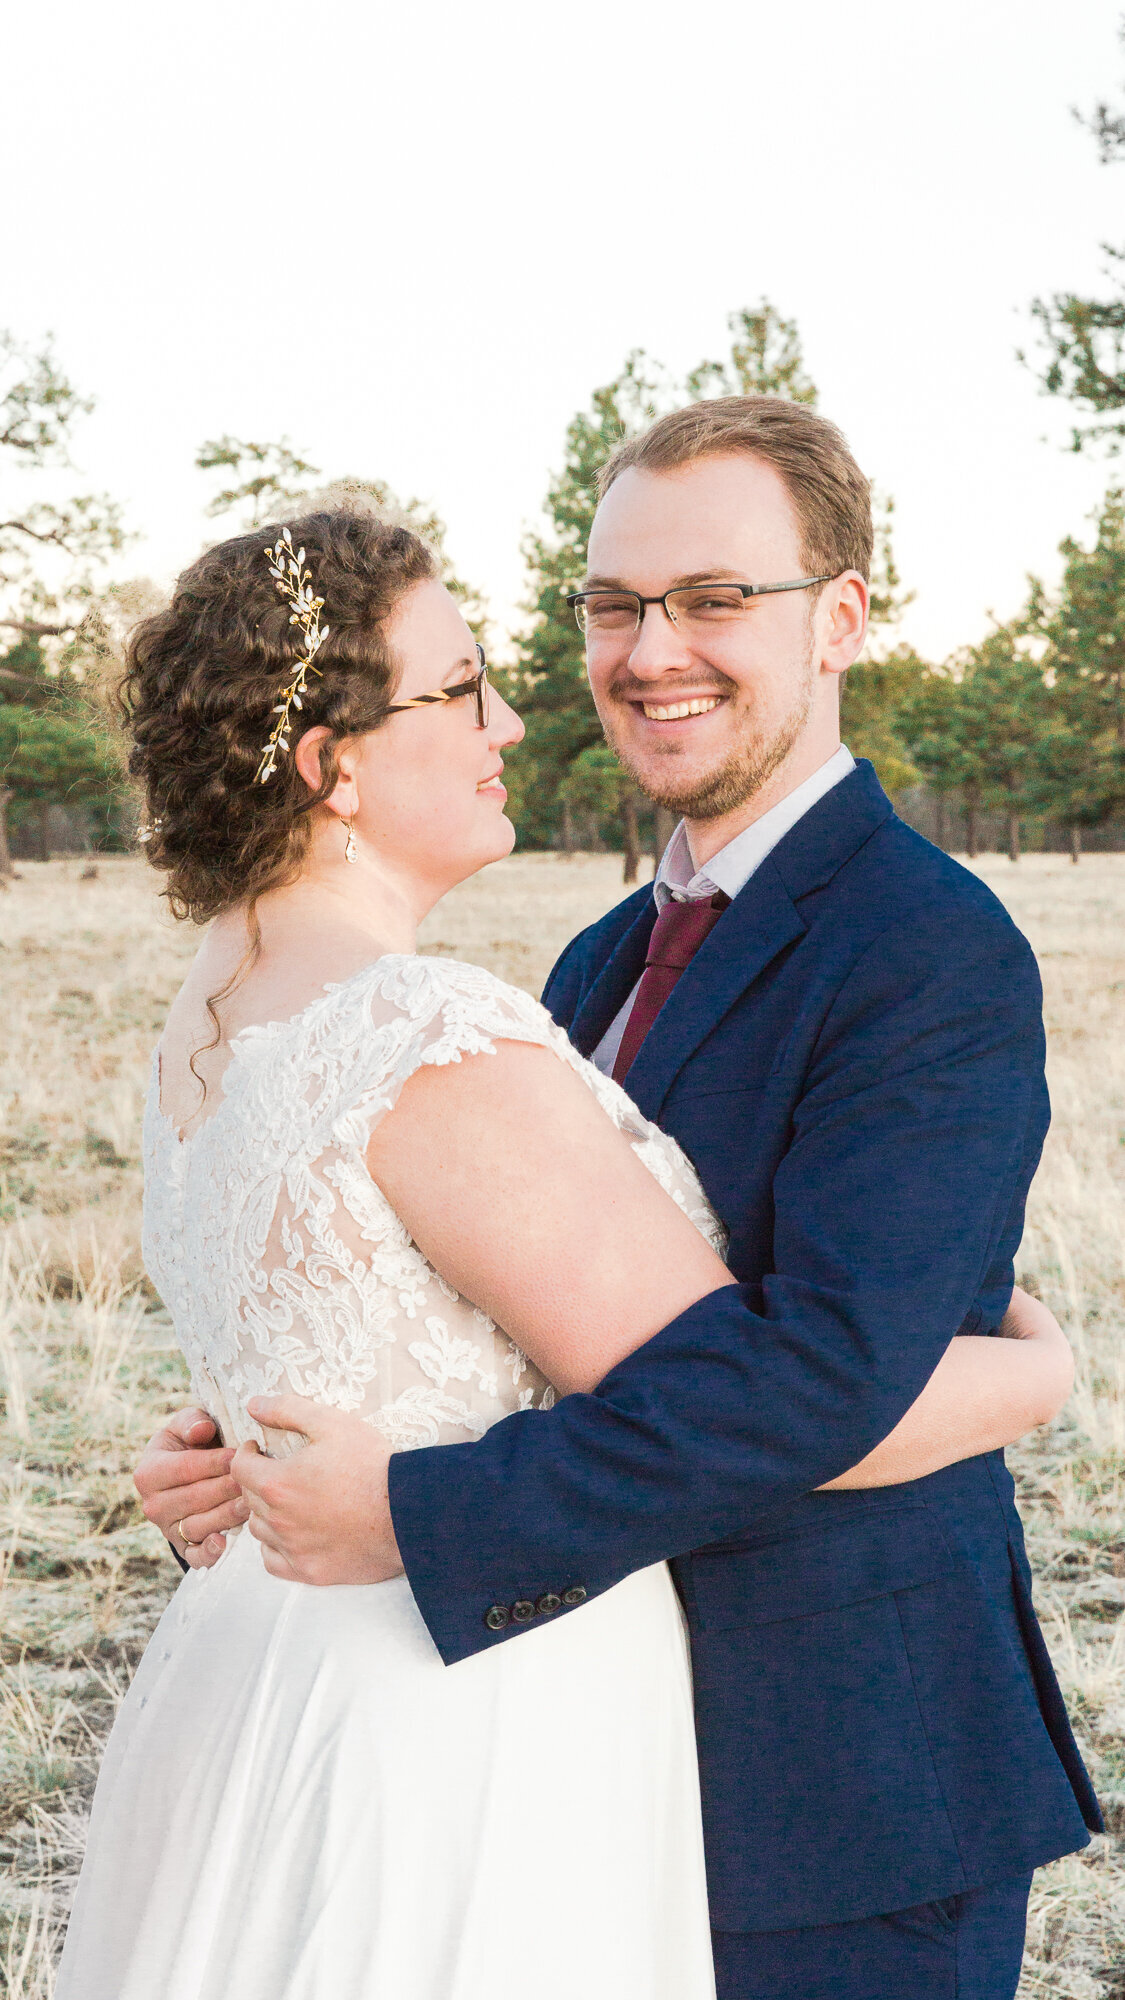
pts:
[294, 582]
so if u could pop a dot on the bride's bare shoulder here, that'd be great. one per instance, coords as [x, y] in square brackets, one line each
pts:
[236, 982]
[250, 982]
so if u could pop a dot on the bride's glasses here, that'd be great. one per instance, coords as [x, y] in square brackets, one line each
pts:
[476, 686]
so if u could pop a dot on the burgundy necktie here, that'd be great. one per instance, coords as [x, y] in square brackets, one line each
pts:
[677, 934]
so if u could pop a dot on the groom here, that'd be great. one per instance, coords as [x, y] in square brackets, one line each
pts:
[842, 1029]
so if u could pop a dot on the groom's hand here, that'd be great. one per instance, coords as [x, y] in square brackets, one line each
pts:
[321, 1516]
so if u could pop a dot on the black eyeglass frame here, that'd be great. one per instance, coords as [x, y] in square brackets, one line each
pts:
[477, 685]
[577, 598]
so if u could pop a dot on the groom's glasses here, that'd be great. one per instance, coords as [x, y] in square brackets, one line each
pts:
[477, 686]
[613, 612]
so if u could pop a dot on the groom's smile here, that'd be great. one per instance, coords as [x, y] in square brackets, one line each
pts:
[678, 710]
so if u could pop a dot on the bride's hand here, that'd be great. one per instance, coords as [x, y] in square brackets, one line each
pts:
[980, 1397]
[321, 1516]
[1027, 1318]
[183, 1477]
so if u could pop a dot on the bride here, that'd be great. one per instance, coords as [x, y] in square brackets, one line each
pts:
[298, 1800]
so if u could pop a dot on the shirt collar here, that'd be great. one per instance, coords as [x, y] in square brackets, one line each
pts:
[731, 868]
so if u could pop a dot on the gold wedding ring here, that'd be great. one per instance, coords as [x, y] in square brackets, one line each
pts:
[183, 1537]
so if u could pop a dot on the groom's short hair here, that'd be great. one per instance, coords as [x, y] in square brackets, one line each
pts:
[830, 496]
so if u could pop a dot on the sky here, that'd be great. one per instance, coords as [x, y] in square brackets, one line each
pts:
[414, 240]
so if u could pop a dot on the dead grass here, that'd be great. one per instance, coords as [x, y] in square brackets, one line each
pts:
[87, 1365]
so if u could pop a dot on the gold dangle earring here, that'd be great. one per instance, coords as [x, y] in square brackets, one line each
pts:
[351, 851]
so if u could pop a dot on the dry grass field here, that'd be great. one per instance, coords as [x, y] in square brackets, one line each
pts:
[87, 968]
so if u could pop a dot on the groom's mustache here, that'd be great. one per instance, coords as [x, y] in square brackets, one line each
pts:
[624, 688]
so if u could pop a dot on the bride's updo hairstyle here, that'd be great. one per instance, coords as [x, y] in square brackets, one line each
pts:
[202, 680]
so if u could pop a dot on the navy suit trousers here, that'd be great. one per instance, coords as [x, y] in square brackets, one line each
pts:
[967, 1947]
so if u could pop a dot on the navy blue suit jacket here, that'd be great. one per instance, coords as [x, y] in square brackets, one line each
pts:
[854, 1062]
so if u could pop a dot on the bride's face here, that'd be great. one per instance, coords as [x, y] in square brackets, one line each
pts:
[428, 781]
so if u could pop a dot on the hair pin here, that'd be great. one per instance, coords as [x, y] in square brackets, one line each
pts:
[294, 582]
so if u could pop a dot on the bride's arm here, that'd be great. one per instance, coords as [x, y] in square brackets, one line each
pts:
[528, 1199]
[984, 1393]
[524, 1196]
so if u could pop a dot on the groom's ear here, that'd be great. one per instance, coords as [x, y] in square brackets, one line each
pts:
[841, 621]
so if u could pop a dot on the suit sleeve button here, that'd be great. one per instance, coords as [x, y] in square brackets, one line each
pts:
[575, 1595]
[522, 1610]
[549, 1602]
[496, 1617]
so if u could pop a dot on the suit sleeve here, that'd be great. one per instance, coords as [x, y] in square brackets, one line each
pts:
[898, 1208]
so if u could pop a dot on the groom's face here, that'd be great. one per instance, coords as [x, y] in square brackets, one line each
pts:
[756, 683]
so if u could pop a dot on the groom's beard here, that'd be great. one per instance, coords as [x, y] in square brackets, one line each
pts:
[756, 754]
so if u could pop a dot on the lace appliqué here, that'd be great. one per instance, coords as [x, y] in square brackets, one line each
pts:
[282, 1263]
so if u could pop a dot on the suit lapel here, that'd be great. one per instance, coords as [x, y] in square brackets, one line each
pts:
[762, 920]
[614, 982]
[759, 924]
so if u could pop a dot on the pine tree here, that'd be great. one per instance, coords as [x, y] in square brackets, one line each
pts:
[1004, 721]
[936, 727]
[1084, 756]
[52, 557]
[978, 727]
[51, 550]
[549, 686]
[875, 693]
[52, 751]
[1084, 336]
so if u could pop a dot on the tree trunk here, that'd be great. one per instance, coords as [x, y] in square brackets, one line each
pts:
[44, 817]
[1013, 836]
[5, 850]
[1076, 844]
[568, 839]
[972, 842]
[632, 840]
[663, 827]
[939, 820]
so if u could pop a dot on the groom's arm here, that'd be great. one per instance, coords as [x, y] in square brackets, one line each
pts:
[897, 1208]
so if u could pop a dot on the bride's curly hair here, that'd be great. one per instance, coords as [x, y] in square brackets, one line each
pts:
[202, 677]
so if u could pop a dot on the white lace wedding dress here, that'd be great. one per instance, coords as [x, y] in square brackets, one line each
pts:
[298, 1800]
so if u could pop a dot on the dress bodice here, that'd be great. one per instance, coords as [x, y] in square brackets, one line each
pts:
[282, 1263]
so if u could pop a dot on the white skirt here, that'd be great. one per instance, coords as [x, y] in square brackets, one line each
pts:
[300, 1802]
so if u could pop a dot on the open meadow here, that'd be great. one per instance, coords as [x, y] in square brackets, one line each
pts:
[88, 965]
